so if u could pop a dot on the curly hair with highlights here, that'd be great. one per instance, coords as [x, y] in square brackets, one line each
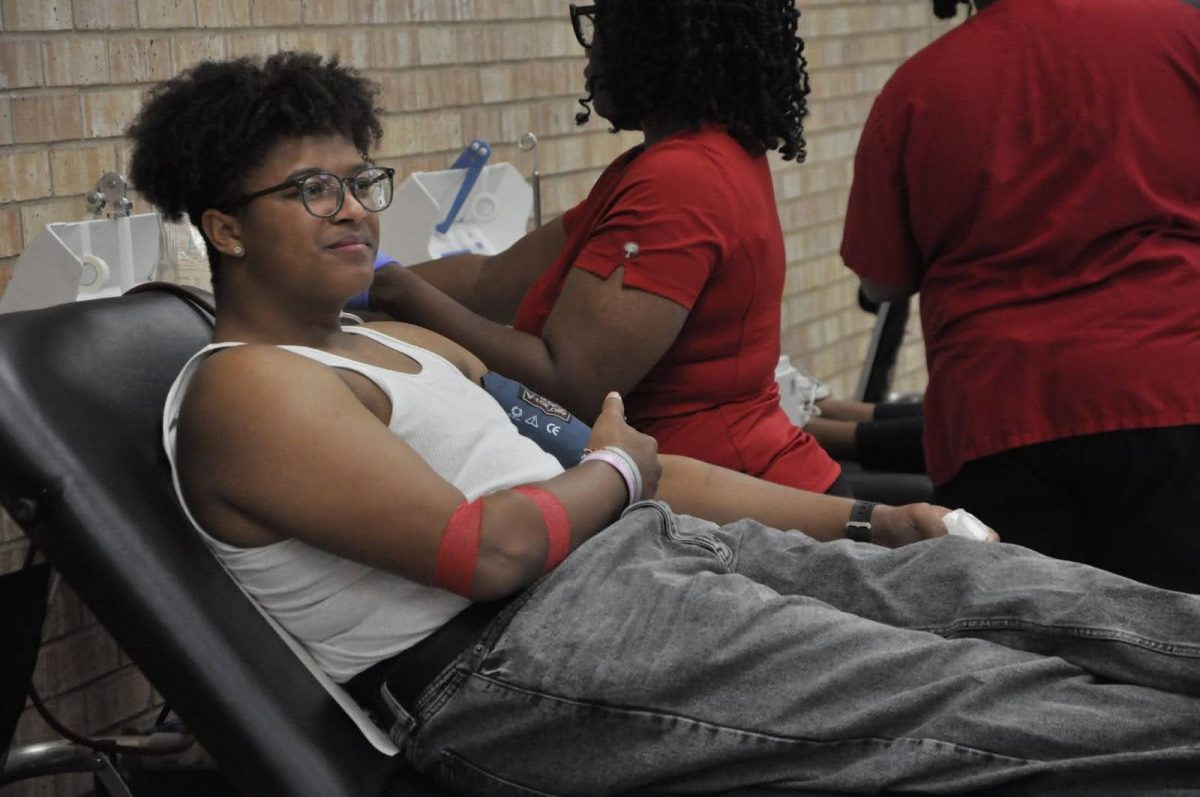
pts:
[737, 63]
[199, 134]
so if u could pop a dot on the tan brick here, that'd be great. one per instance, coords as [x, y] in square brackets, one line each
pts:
[268, 13]
[223, 13]
[498, 83]
[252, 44]
[352, 48]
[76, 61]
[374, 11]
[166, 13]
[6, 127]
[107, 113]
[105, 14]
[49, 117]
[305, 39]
[20, 63]
[66, 614]
[68, 709]
[189, 50]
[9, 530]
[36, 215]
[116, 698]
[325, 12]
[437, 45]
[392, 48]
[12, 555]
[6, 269]
[140, 60]
[76, 170]
[36, 14]
[26, 175]
[68, 662]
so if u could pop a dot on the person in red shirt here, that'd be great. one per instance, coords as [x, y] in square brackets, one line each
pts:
[666, 282]
[1035, 175]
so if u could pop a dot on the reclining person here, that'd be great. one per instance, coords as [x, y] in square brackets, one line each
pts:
[369, 495]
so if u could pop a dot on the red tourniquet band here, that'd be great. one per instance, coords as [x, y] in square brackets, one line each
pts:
[558, 525]
[458, 551]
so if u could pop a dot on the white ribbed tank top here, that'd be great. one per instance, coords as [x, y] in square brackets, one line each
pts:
[346, 614]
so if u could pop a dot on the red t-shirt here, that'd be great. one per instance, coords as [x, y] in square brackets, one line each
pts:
[1036, 171]
[693, 219]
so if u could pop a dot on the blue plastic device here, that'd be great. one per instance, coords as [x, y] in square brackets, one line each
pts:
[472, 159]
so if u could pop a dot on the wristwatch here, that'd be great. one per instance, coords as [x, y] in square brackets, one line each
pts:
[858, 528]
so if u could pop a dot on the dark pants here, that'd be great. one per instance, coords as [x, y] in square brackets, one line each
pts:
[891, 444]
[1125, 501]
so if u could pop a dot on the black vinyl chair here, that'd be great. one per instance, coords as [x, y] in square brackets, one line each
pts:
[83, 472]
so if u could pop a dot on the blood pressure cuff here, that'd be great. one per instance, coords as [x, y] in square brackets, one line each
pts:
[555, 430]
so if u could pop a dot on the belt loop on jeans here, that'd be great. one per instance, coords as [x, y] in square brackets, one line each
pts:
[402, 678]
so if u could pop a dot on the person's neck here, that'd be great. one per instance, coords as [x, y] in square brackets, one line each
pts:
[655, 129]
[242, 317]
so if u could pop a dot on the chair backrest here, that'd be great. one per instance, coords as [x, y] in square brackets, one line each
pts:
[887, 336]
[83, 472]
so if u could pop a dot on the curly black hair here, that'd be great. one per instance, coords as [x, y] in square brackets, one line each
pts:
[199, 134]
[738, 63]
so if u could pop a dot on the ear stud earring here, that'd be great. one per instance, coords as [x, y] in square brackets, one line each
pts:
[238, 250]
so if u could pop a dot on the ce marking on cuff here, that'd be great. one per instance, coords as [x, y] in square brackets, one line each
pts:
[518, 414]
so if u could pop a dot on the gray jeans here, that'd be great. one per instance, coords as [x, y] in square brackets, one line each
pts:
[668, 654]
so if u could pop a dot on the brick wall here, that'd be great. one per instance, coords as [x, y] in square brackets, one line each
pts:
[72, 73]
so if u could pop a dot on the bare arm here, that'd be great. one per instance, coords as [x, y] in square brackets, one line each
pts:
[493, 286]
[274, 446]
[723, 496]
[601, 336]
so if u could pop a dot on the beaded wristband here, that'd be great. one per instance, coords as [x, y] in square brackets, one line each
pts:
[620, 465]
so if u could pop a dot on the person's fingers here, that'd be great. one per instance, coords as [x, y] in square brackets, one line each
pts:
[613, 405]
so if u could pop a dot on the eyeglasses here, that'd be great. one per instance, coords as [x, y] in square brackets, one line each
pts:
[583, 21]
[323, 193]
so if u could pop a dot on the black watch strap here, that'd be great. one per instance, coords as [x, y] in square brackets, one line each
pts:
[858, 528]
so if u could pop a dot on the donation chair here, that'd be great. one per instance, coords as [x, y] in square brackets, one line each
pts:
[83, 472]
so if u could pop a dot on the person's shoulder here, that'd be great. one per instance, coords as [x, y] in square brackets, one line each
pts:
[460, 357]
[250, 367]
[689, 168]
[254, 389]
[701, 150]
[945, 69]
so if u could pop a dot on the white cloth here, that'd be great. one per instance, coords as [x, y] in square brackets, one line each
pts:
[346, 614]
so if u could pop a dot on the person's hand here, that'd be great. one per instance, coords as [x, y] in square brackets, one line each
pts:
[894, 526]
[610, 429]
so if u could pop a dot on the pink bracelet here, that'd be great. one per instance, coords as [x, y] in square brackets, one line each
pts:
[621, 465]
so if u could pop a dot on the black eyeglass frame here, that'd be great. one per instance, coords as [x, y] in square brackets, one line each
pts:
[576, 13]
[343, 182]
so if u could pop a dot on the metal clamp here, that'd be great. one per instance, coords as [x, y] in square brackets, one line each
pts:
[111, 194]
[528, 143]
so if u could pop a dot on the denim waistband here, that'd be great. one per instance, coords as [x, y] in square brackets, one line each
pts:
[410, 671]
